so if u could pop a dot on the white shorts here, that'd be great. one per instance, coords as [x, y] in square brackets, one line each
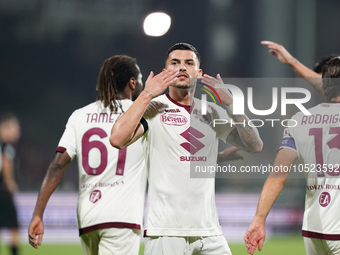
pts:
[315, 246]
[172, 245]
[109, 241]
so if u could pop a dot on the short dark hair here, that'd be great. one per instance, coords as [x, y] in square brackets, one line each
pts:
[113, 77]
[331, 78]
[318, 67]
[183, 46]
[7, 116]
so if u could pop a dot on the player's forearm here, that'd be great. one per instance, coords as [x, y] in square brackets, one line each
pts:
[269, 194]
[247, 138]
[124, 130]
[50, 183]
[274, 183]
[312, 78]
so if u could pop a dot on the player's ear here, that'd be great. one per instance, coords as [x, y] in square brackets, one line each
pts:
[200, 73]
[132, 83]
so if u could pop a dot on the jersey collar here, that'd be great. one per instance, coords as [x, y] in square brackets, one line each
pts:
[186, 107]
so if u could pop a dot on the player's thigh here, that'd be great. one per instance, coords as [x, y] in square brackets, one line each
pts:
[89, 243]
[212, 245]
[119, 241]
[165, 245]
[315, 246]
[333, 246]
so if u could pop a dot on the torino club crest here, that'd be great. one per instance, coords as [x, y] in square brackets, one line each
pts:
[324, 199]
[95, 196]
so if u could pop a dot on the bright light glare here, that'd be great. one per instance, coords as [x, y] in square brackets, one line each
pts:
[157, 24]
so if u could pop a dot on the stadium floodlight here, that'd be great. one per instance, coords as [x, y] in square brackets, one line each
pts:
[157, 24]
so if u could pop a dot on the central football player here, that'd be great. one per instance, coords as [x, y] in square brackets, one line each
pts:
[181, 215]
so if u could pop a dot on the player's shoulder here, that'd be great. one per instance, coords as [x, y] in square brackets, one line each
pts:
[8, 150]
[87, 109]
[320, 108]
[213, 109]
[94, 106]
[161, 98]
[156, 106]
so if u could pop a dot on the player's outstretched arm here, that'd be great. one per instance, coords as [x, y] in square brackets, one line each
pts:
[311, 77]
[52, 178]
[255, 234]
[127, 128]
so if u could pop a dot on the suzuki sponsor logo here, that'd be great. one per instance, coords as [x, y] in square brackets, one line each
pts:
[184, 158]
[193, 145]
[174, 119]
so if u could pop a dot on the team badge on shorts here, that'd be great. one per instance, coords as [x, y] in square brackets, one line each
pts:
[324, 199]
[95, 196]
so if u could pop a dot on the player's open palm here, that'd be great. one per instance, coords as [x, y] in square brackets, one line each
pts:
[224, 94]
[156, 84]
[35, 232]
[280, 52]
[255, 237]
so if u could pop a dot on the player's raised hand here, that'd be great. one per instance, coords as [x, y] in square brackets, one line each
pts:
[224, 94]
[280, 52]
[255, 237]
[35, 232]
[156, 84]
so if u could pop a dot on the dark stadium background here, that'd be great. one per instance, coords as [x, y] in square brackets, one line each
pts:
[51, 52]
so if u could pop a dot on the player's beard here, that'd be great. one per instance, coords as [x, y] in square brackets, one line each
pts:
[190, 84]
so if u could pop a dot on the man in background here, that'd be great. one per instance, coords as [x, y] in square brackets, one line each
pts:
[9, 134]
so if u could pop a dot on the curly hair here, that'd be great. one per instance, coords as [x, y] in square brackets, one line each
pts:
[113, 77]
[331, 78]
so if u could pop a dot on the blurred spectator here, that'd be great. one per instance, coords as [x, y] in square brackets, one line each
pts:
[9, 134]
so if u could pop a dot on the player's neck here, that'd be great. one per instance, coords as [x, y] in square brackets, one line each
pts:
[336, 99]
[182, 96]
[126, 94]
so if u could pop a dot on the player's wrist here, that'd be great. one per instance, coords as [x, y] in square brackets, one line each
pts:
[145, 97]
[148, 93]
[292, 61]
[258, 219]
[37, 216]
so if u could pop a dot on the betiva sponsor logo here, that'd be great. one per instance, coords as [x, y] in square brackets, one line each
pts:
[174, 119]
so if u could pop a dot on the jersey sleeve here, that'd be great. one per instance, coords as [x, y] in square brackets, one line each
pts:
[287, 141]
[68, 140]
[9, 151]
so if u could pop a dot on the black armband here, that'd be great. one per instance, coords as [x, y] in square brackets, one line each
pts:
[144, 124]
